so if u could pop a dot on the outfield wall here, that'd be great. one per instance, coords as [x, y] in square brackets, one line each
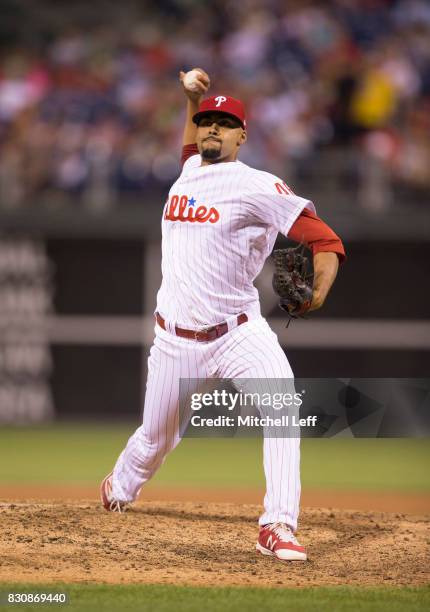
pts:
[76, 319]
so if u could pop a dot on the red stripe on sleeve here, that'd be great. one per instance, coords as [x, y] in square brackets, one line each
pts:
[316, 235]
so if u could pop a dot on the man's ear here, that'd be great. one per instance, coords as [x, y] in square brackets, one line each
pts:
[242, 138]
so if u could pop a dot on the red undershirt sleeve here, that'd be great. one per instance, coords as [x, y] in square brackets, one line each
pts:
[188, 151]
[316, 235]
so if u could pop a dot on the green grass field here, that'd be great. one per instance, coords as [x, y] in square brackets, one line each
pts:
[150, 598]
[83, 454]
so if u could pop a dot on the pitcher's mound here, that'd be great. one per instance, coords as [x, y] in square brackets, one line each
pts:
[205, 544]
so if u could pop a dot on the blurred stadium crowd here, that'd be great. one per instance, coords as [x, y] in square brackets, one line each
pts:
[92, 110]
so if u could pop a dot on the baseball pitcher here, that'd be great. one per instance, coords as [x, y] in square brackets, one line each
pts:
[219, 224]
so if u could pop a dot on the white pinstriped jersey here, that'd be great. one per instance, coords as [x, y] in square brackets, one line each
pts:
[220, 223]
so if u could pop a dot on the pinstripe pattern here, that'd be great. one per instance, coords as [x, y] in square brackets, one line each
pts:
[208, 273]
[250, 351]
[209, 268]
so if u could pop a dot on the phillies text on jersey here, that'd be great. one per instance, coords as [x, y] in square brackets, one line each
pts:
[183, 208]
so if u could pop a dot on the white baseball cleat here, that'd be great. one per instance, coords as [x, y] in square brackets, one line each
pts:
[109, 503]
[278, 540]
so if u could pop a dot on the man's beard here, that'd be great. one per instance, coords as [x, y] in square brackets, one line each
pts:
[210, 153]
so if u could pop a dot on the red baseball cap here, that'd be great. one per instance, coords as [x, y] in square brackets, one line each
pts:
[222, 104]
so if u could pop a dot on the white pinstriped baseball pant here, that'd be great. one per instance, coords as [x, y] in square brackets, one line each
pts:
[248, 351]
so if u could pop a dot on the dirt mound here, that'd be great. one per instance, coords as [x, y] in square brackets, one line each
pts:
[406, 502]
[205, 544]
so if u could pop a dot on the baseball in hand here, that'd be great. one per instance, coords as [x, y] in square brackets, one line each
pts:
[191, 81]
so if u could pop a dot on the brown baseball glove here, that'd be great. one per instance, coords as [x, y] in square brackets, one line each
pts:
[291, 281]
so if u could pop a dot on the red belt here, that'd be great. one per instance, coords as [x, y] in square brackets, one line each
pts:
[204, 335]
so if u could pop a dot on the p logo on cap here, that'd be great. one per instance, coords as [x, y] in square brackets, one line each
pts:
[219, 100]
